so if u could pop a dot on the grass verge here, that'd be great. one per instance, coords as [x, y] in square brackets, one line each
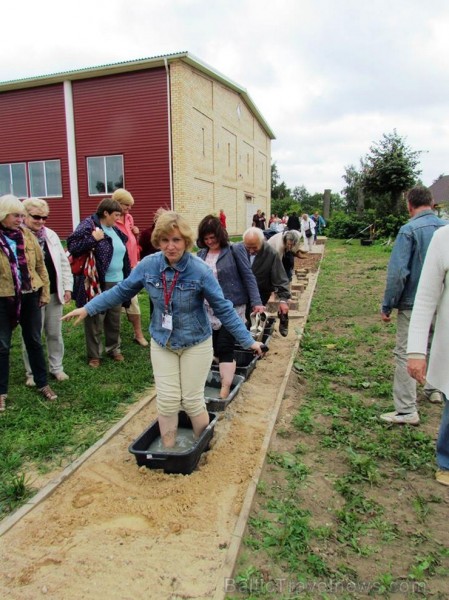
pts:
[347, 506]
[37, 436]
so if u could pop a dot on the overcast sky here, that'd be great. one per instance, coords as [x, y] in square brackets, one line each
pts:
[329, 76]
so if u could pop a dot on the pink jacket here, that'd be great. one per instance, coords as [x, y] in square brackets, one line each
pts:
[131, 245]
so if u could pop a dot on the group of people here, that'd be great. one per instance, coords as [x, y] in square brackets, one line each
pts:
[309, 227]
[200, 304]
[417, 286]
[193, 296]
[35, 283]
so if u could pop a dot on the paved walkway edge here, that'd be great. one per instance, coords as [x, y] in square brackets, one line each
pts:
[51, 486]
[225, 582]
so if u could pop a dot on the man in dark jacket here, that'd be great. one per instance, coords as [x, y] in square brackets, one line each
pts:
[293, 222]
[270, 273]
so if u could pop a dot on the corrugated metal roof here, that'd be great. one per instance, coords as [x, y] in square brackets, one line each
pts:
[440, 190]
[133, 65]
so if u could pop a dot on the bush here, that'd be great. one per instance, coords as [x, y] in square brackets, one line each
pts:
[343, 226]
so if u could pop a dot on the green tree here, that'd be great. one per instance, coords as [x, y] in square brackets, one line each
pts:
[279, 189]
[389, 169]
[353, 191]
[300, 194]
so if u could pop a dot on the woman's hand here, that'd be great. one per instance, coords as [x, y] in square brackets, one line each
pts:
[259, 348]
[98, 234]
[417, 368]
[258, 309]
[79, 314]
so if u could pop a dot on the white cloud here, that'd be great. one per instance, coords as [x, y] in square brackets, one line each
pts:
[330, 77]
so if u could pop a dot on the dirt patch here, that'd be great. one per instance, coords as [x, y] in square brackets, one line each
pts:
[118, 531]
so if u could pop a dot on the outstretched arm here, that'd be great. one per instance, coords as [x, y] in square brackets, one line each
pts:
[79, 314]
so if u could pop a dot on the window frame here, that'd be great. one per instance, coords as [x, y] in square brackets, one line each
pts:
[44, 163]
[11, 177]
[104, 157]
[28, 178]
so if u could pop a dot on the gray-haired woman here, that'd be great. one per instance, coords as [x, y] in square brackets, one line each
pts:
[61, 286]
[24, 289]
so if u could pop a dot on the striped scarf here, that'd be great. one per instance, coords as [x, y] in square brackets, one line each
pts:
[91, 279]
[19, 269]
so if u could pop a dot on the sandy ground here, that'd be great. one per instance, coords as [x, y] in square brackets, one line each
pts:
[119, 531]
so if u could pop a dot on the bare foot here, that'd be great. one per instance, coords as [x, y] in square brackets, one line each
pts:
[225, 391]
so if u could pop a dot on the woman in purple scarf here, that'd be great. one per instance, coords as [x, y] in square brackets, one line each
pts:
[24, 289]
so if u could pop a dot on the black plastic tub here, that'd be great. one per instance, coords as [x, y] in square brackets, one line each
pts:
[212, 391]
[246, 363]
[172, 462]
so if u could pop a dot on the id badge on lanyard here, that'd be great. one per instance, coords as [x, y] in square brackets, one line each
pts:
[167, 319]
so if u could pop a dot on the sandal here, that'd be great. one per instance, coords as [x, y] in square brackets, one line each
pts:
[3, 402]
[48, 393]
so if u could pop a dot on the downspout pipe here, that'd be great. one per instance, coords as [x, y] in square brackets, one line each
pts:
[170, 157]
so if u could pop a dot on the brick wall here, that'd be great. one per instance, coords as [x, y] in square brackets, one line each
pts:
[221, 154]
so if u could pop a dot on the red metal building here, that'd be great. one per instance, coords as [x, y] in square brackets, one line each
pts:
[72, 138]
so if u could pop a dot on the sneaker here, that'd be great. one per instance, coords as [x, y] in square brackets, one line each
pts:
[48, 393]
[30, 381]
[397, 419]
[283, 324]
[436, 397]
[61, 376]
[442, 477]
[3, 402]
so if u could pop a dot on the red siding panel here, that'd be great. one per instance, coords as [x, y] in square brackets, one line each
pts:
[126, 114]
[32, 125]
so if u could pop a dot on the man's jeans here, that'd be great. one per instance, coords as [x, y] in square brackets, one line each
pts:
[443, 438]
[404, 386]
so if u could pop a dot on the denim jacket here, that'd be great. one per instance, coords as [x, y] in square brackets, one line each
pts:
[406, 261]
[235, 275]
[190, 323]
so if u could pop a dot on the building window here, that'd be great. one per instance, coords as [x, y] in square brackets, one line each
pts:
[13, 180]
[42, 178]
[45, 178]
[105, 174]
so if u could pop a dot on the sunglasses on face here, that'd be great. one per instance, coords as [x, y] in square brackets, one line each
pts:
[38, 217]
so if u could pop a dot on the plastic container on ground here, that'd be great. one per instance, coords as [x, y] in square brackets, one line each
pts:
[246, 363]
[212, 391]
[172, 462]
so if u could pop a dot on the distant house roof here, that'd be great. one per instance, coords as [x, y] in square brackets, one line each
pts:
[440, 190]
[134, 65]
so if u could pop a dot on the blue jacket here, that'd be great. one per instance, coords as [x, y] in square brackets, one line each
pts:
[235, 275]
[195, 283]
[406, 261]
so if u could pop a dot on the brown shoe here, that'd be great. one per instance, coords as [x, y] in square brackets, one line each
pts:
[118, 357]
[3, 402]
[94, 363]
[141, 341]
[48, 393]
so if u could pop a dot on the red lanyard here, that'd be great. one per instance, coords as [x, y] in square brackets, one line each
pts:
[168, 294]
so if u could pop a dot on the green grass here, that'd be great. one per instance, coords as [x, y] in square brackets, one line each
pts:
[37, 436]
[348, 530]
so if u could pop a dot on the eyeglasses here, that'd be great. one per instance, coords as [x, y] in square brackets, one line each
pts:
[39, 217]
